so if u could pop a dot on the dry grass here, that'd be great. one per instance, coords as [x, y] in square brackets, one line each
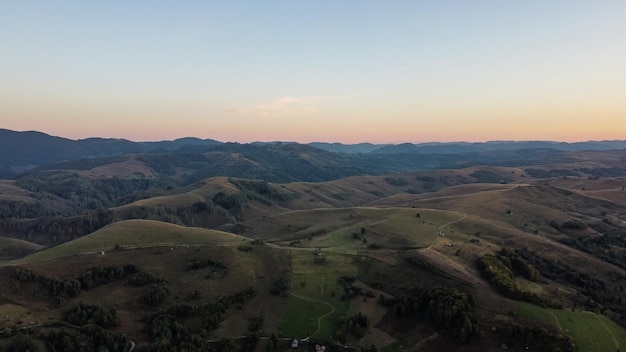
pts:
[198, 192]
[257, 268]
[130, 168]
[135, 234]
[9, 191]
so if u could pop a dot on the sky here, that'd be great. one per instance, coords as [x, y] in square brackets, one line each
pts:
[326, 70]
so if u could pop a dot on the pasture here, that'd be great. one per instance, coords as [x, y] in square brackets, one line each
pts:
[135, 234]
[315, 304]
[590, 331]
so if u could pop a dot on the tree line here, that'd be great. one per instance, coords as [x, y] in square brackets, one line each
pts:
[450, 310]
[59, 290]
[497, 269]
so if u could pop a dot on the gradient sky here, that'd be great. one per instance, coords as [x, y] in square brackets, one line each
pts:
[332, 71]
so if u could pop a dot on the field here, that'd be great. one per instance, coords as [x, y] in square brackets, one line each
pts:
[340, 246]
[11, 312]
[590, 331]
[135, 234]
[315, 303]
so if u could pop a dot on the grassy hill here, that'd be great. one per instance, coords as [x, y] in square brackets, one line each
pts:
[399, 249]
[134, 234]
[11, 248]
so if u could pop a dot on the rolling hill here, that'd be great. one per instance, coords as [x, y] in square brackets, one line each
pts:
[189, 251]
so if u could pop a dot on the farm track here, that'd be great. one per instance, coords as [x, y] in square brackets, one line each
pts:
[615, 341]
[319, 320]
[440, 228]
[556, 320]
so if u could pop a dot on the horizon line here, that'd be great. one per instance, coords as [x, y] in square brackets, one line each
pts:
[323, 142]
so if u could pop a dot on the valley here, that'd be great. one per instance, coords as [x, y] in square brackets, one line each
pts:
[145, 251]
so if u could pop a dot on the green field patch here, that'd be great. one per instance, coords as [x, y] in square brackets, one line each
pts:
[590, 331]
[387, 228]
[316, 292]
[301, 318]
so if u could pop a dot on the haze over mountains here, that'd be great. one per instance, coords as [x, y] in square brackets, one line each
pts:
[23, 151]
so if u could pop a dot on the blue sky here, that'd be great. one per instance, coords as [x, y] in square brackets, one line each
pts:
[347, 71]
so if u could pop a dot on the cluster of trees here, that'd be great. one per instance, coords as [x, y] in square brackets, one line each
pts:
[26, 275]
[255, 324]
[543, 173]
[518, 264]
[89, 324]
[497, 270]
[60, 289]
[205, 214]
[99, 276]
[610, 247]
[450, 310]
[167, 332]
[85, 330]
[143, 278]
[197, 264]
[155, 294]
[233, 203]
[540, 339]
[23, 210]
[596, 291]
[230, 205]
[84, 314]
[350, 290]
[80, 194]
[261, 191]
[21, 343]
[97, 338]
[360, 235]
[486, 176]
[280, 286]
[51, 230]
[355, 325]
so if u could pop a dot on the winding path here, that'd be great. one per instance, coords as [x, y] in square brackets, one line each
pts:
[556, 320]
[319, 320]
[439, 232]
[615, 340]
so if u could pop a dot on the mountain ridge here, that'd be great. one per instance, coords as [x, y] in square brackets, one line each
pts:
[27, 150]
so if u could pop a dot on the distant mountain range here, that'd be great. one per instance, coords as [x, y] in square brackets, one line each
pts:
[465, 147]
[24, 151]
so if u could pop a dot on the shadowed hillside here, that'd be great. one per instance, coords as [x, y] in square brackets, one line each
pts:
[130, 249]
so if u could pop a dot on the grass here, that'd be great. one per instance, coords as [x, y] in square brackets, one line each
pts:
[134, 234]
[342, 229]
[301, 318]
[590, 331]
[315, 289]
[391, 228]
[8, 241]
[11, 312]
[257, 268]
[196, 193]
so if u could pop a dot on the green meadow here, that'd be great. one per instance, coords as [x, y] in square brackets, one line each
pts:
[315, 304]
[591, 332]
